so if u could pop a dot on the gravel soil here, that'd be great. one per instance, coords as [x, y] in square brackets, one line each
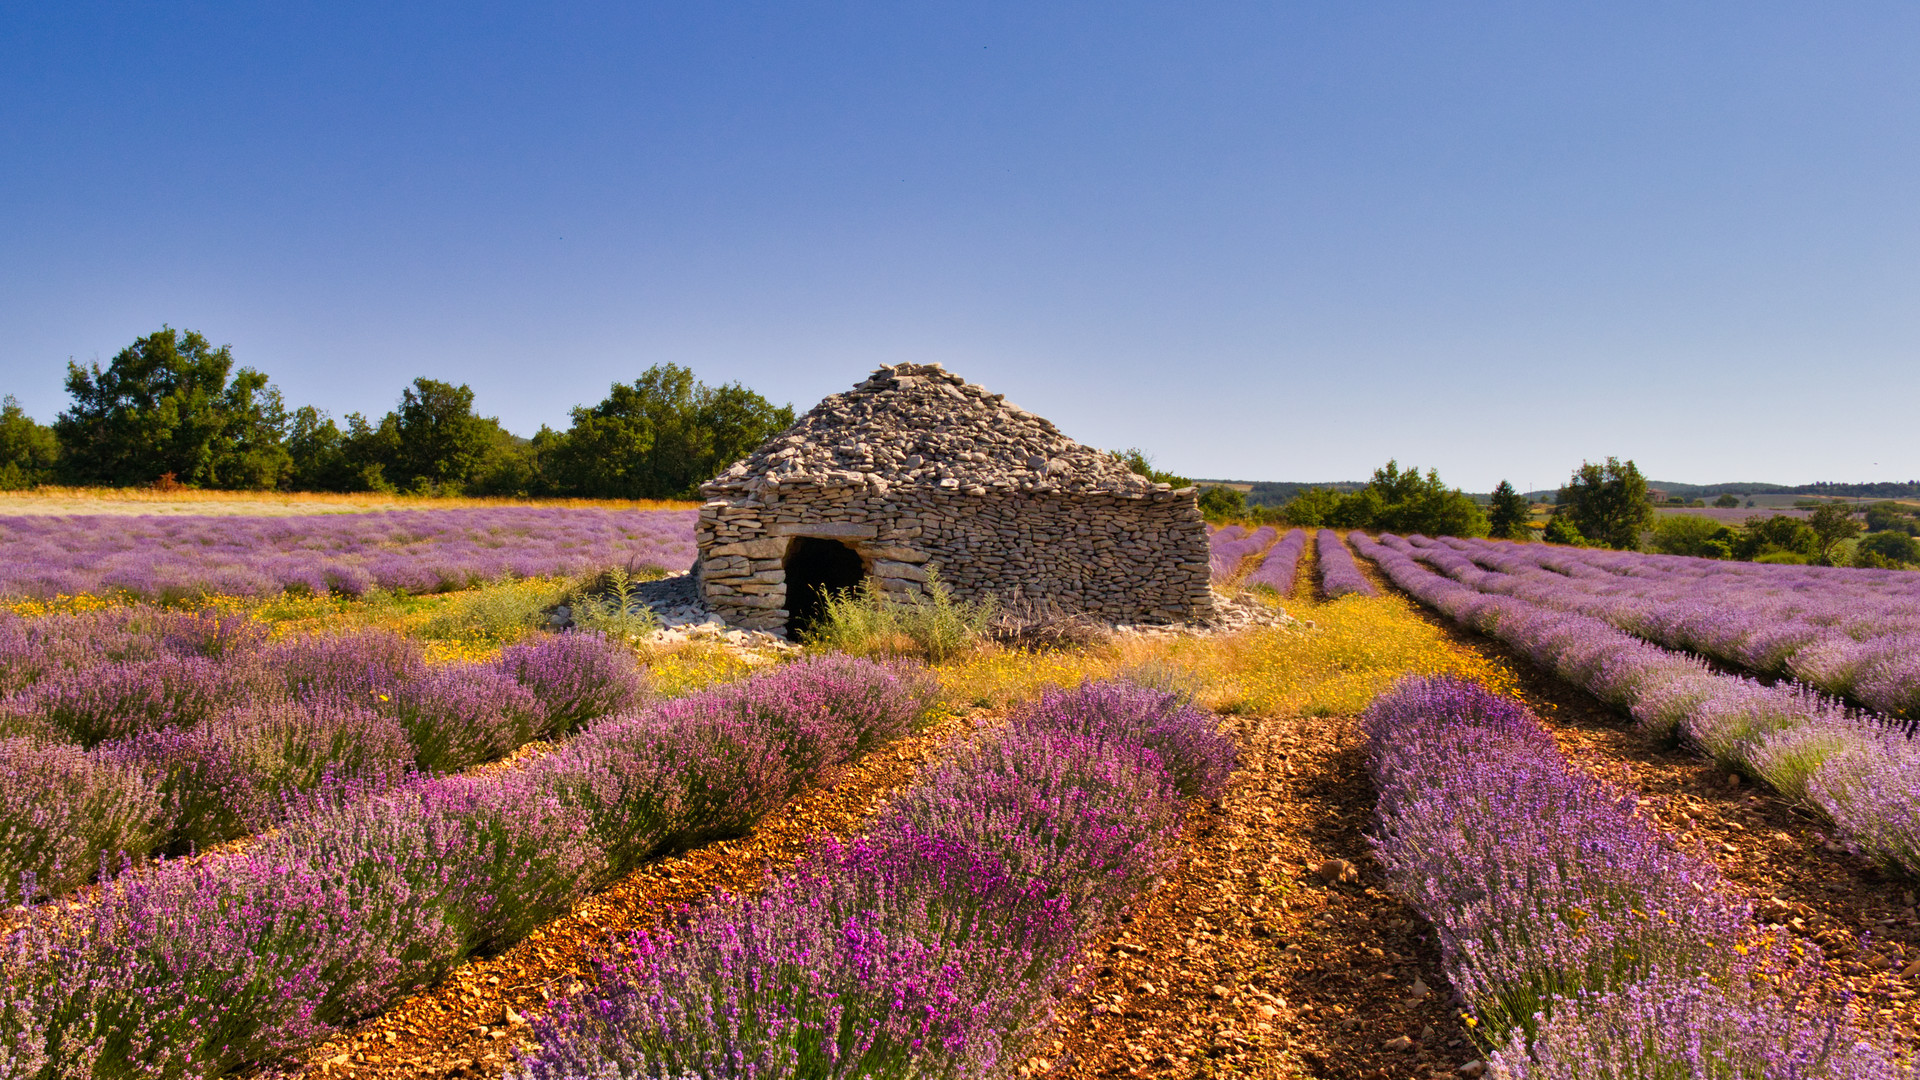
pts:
[1270, 951]
[468, 1025]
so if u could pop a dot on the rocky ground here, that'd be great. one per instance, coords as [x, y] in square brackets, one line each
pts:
[1271, 951]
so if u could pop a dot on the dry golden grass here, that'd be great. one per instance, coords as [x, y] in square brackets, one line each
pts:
[1354, 648]
[64, 500]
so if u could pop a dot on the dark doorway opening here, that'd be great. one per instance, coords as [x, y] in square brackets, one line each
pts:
[816, 567]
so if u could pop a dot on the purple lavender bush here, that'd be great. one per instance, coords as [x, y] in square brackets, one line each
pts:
[459, 715]
[577, 677]
[368, 889]
[668, 779]
[1229, 547]
[1871, 790]
[1541, 882]
[707, 766]
[358, 670]
[234, 775]
[198, 968]
[1187, 739]
[63, 810]
[115, 700]
[1693, 1027]
[1782, 733]
[1338, 575]
[1276, 570]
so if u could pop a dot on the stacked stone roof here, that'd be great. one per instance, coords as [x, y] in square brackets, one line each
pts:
[921, 425]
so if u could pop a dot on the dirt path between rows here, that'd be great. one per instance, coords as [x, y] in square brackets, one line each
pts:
[1248, 961]
[468, 1025]
[1779, 855]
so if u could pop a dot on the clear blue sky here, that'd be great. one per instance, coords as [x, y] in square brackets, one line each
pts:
[1262, 241]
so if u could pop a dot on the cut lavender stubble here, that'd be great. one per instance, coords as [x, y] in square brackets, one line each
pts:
[1339, 576]
[1276, 571]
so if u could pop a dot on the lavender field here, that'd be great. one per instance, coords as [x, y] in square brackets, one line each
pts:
[412, 551]
[1860, 769]
[1851, 633]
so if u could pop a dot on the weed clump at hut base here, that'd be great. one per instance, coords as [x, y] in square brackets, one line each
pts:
[933, 626]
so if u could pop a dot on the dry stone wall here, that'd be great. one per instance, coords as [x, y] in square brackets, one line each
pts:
[1126, 559]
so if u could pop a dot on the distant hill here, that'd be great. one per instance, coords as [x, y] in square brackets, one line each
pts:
[1829, 490]
[1278, 492]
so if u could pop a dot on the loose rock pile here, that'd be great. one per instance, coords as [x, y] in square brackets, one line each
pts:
[918, 472]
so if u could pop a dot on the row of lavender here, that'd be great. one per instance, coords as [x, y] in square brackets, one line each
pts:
[413, 551]
[1584, 942]
[1228, 549]
[194, 968]
[1851, 633]
[1338, 575]
[138, 732]
[934, 944]
[1281, 563]
[1863, 773]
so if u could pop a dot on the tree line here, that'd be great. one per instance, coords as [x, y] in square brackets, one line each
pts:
[171, 409]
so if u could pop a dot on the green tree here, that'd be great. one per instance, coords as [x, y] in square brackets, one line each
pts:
[1412, 502]
[1508, 513]
[316, 452]
[1394, 499]
[1776, 535]
[1831, 523]
[1312, 508]
[165, 405]
[1727, 501]
[1884, 516]
[28, 450]
[1607, 503]
[252, 451]
[439, 439]
[660, 437]
[1219, 503]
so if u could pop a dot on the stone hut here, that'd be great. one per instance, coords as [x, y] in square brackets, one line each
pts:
[916, 471]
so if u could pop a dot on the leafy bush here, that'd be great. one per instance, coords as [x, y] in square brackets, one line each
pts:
[1562, 531]
[866, 621]
[1891, 549]
[1691, 534]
